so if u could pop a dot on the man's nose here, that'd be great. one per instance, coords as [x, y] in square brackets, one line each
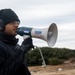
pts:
[16, 25]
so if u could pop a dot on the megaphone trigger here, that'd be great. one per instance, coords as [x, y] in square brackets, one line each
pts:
[25, 36]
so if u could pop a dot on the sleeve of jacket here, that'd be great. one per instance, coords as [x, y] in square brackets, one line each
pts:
[9, 66]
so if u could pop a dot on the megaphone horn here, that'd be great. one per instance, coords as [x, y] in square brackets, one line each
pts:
[47, 34]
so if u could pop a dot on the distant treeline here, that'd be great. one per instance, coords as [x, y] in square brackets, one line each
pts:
[52, 56]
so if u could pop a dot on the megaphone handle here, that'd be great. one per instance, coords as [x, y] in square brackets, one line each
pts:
[25, 36]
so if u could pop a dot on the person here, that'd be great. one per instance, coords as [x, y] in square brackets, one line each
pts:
[12, 56]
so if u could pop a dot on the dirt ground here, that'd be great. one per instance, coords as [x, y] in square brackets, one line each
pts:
[64, 69]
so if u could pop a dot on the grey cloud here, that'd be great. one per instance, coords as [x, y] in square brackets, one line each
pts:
[58, 19]
[65, 37]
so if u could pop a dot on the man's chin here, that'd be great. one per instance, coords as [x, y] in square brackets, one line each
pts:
[14, 34]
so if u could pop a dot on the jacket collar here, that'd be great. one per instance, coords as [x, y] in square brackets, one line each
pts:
[8, 39]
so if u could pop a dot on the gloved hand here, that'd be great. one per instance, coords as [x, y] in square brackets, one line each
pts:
[27, 44]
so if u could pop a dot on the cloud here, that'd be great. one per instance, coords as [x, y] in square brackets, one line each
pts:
[41, 13]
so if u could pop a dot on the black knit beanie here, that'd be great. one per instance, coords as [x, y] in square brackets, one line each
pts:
[8, 15]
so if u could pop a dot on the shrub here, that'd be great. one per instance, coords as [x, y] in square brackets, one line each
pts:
[54, 61]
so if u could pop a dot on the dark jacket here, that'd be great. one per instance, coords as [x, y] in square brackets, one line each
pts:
[11, 58]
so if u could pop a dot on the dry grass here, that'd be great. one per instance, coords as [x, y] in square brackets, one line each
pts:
[64, 69]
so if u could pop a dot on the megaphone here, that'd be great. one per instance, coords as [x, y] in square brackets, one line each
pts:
[47, 34]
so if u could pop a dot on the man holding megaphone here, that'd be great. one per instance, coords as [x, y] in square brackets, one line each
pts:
[12, 56]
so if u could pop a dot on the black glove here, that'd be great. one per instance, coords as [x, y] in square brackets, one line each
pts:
[27, 44]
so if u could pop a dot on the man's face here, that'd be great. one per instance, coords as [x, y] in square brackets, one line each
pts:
[11, 28]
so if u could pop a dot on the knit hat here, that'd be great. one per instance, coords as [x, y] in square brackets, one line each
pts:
[8, 15]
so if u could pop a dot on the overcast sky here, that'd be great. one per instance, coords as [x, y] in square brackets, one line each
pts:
[41, 13]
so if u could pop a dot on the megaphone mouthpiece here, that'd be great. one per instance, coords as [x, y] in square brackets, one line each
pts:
[24, 31]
